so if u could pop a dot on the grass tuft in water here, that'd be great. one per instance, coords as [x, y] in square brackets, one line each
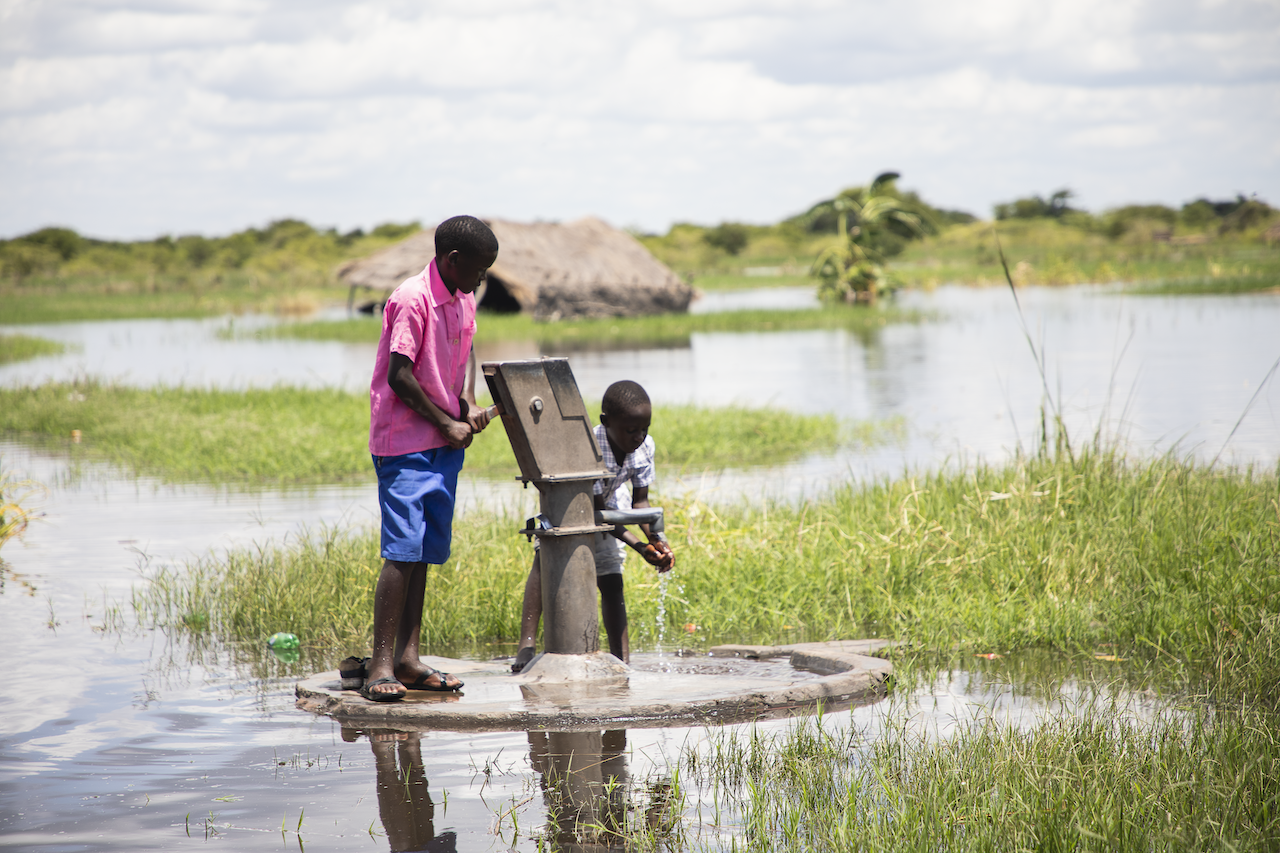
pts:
[296, 435]
[1263, 281]
[1196, 781]
[22, 347]
[15, 512]
[669, 329]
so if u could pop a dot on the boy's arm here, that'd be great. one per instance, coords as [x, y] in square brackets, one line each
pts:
[475, 416]
[656, 552]
[402, 381]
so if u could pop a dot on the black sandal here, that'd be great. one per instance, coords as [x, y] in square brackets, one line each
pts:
[369, 693]
[353, 671]
[420, 683]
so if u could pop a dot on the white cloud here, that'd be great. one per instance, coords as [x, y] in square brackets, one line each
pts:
[134, 118]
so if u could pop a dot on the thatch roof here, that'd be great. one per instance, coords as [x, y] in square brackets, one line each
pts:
[578, 269]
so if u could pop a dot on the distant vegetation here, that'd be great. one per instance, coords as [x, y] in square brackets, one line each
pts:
[284, 246]
[290, 267]
[872, 225]
[287, 267]
[1204, 246]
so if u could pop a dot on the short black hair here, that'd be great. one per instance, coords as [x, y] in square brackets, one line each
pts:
[468, 235]
[623, 396]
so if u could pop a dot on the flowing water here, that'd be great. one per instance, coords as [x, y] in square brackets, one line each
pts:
[118, 738]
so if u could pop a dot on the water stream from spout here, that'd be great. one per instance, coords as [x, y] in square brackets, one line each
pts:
[662, 612]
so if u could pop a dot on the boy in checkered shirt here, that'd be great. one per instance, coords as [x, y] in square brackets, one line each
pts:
[628, 451]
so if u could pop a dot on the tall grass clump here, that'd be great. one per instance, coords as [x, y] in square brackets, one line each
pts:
[288, 435]
[23, 347]
[620, 332]
[263, 436]
[1093, 782]
[320, 587]
[15, 512]
[1159, 560]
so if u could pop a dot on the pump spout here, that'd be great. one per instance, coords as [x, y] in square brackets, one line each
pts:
[651, 516]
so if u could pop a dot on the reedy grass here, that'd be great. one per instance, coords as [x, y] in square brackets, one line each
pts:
[1048, 252]
[790, 274]
[15, 513]
[1194, 781]
[23, 347]
[281, 435]
[1262, 281]
[616, 332]
[167, 296]
[288, 435]
[1157, 560]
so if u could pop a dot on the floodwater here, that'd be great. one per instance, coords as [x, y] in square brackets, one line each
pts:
[118, 738]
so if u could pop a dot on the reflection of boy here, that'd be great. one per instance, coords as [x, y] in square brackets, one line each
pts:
[628, 451]
[423, 414]
[404, 798]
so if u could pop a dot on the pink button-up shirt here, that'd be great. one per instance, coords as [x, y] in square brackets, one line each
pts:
[434, 328]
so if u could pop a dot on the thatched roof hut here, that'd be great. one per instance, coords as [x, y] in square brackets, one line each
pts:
[578, 269]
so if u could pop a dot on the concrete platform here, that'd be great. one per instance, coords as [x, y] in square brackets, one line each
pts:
[731, 684]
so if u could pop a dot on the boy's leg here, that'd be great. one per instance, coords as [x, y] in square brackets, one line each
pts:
[389, 605]
[530, 615]
[416, 496]
[613, 612]
[408, 665]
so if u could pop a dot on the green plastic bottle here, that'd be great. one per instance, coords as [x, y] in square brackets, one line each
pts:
[284, 646]
[281, 641]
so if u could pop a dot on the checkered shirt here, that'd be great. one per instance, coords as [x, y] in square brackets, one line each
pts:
[637, 469]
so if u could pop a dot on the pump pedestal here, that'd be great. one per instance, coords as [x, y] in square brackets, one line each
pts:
[550, 433]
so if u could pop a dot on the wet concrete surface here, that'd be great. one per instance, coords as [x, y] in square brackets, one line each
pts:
[728, 688]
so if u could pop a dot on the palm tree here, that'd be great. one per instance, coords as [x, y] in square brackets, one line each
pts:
[852, 270]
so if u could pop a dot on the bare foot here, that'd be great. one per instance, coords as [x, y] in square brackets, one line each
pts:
[523, 655]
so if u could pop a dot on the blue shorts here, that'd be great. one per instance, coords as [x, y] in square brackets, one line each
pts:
[416, 493]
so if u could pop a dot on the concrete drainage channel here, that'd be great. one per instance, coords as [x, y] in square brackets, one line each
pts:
[581, 692]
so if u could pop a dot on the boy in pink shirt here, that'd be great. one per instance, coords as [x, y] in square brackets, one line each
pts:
[423, 414]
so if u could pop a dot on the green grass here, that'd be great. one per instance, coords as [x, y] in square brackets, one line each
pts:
[1160, 560]
[1172, 565]
[277, 436]
[668, 329]
[1263, 282]
[293, 435]
[15, 512]
[1094, 782]
[23, 347]
[1048, 252]
[170, 297]
[798, 276]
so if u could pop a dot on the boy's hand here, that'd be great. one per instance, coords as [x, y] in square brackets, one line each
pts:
[476, 416]
[659, 555]
[458, 434]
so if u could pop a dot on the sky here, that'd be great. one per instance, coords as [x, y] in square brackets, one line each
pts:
[128, 120]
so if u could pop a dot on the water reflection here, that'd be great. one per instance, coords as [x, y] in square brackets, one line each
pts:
[405, 804]
[587, 791]
[583, 777]
[589, 799]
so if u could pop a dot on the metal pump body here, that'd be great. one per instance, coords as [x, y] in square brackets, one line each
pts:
[550, 433]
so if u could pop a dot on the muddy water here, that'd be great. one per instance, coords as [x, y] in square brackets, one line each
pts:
[113, 738]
